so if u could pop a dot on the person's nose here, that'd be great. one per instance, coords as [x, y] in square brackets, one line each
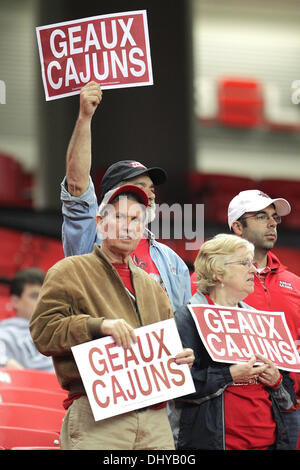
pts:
[272, 222]
[252, 269]
[151, 194]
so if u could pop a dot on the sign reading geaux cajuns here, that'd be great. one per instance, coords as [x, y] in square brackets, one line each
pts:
[119, 380]
[234, 335]
[112, 50]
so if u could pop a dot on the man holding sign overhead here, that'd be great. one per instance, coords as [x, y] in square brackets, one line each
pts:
[104, 294]
[79, 204]
[236, 404]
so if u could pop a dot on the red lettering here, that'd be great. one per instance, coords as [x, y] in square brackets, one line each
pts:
[111, 356]
[102, 362]
[150, 357]
[106, 403]
[132, 394]
[176, 372]
[144, 392]
[117, 390]
[163, 378]
[162, 346]
[129, 356]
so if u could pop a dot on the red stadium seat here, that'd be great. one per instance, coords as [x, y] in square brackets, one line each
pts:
[29, 378]
[32, 396]
[220, 189]
[196, 185]
[11, 174]
[21, 250]
[11, 437]
[288, 189]
[240, 102]
[31, 417]
[35, 448]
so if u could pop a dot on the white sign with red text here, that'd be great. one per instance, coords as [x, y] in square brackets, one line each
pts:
[234, 335]
[119, 380]
[112, 50]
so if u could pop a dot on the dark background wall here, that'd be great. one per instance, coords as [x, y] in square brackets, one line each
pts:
[152, 124]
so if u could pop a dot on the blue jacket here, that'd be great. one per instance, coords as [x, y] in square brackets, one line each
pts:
[79, 233]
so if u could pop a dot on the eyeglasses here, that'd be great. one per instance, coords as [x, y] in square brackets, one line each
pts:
[242, 262]
[263, 217]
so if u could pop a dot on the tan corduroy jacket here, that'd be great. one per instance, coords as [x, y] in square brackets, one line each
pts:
[78, 293]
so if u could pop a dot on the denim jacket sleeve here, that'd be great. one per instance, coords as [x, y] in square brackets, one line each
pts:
[174, 273]
[79, 231]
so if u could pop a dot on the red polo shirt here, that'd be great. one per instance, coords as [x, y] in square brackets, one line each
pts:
[278, 290]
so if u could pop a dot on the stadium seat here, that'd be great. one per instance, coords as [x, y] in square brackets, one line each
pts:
[32, 396]
[35, 448]
[11, 174]
[29, 378]
[21, 250]
[196, 185]
[31, 417]
[12, 437]
[240, 103]
[288, 189]
[219, 191]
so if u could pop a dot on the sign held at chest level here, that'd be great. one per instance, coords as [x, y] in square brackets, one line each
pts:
[119, 380]
[234, 335]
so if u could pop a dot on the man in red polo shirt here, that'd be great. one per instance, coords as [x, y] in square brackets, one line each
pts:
[255, 216]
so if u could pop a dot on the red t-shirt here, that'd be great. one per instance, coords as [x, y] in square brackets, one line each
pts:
[249, 422]
[125, 275]
[141, 258]
[193, 283]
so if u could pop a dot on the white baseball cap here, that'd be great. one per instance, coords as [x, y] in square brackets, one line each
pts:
[254, 200]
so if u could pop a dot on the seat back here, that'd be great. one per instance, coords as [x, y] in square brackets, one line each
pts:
[20, 437]
[32, 396]
[29, 378]
[31, 417]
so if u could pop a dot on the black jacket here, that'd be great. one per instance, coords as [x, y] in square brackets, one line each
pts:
[200, 416]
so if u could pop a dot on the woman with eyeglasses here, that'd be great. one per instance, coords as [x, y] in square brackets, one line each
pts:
[235, 407]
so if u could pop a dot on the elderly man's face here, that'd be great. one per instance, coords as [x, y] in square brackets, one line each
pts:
[123, 225]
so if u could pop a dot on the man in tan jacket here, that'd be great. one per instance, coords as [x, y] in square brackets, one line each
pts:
[103, 293]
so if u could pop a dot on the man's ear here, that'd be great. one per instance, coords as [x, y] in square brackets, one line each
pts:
[237, 228]
[98, 219]
[14, 300]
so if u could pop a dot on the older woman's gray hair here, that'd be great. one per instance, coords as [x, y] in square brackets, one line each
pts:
[212, 256]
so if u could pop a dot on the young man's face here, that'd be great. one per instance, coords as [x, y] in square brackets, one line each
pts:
[262, 233]
[123, 226]
[25, 304]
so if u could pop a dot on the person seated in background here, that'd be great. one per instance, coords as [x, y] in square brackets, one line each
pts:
[235, 407]
[17, 349]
